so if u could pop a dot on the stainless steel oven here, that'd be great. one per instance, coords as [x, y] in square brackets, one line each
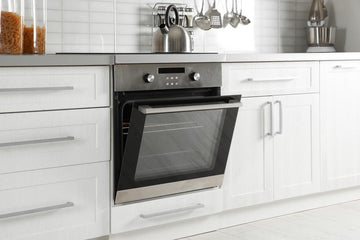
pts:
[172, 129]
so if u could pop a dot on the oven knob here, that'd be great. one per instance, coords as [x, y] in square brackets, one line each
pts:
[149, 78]
[195, 76]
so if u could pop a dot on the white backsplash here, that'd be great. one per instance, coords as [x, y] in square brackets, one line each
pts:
[124, 26]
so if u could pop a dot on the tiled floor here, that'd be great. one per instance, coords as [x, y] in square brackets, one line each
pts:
[339, 222]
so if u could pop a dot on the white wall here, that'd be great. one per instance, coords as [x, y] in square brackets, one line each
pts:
[345, 16]
[124, 26]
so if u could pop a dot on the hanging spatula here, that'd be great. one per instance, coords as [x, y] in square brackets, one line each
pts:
[214, 16]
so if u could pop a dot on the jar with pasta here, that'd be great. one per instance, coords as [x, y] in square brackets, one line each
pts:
[11, 26]
[34, 33]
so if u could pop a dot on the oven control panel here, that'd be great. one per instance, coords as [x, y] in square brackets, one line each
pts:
[138, 77]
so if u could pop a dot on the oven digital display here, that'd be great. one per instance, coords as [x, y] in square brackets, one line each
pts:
[171, 70]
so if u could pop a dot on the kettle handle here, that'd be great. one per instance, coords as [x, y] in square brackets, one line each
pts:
[167, 15]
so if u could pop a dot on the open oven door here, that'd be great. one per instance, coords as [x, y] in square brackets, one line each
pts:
[176, 146]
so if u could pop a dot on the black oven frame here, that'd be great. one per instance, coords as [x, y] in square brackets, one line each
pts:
[128, 101]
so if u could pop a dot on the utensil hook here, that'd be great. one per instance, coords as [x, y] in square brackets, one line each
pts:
[227, 6]
[241, 7]
[197, 7]
[202, 7]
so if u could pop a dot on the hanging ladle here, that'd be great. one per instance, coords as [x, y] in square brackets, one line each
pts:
[236, 19]
[244, 19]
[202, 21]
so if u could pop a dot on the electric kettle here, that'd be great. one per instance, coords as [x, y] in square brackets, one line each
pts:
[171, 37]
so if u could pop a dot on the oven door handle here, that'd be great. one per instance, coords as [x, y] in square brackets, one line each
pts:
[146, 109]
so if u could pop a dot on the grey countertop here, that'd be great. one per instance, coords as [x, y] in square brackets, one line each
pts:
[56, 60]
[110, 59]
[248, 57]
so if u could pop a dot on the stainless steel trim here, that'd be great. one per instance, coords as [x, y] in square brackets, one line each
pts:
[150, 110]
[37, 210]
[40, 141]
[270, 80]
[281, 118]
[130, 77]
[173, 211]
[137, 194]
[35, 89]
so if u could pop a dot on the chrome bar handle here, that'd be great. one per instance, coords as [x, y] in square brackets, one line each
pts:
[343, 68]
[270, 79]
[174, 211]
[271, 131]
[36, 210]
[39, 141]
[149, 110]
[281, 118]
[36, 89]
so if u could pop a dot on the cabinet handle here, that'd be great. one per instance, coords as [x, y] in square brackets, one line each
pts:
[37, 210]
[36, 89]
[40, 141]
[271, 131]
[174, 211]
[270, 79]
[344, 68]
[281, 118]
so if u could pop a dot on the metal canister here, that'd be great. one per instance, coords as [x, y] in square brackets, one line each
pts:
[321, 36]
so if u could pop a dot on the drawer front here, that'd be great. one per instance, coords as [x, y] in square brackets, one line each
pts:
[338, 68]
[166, 210]
[261, 79]
[30, 141]
[46, 88]
[62, 203]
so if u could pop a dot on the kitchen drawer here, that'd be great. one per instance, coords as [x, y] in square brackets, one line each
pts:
[36, 140]
[46, 88]
[262, 79]
[336, 68]
[57, 204]
[165, 210]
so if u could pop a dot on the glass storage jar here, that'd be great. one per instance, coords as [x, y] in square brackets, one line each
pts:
[35, 26]
[11, 27]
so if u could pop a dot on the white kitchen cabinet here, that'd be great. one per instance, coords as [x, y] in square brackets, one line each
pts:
[249, 173]
[52, 88]
[340, 116]
[130, 217]
[296, 145]
[275, 153]
[37, 140]
[69, 203]
[275, 78]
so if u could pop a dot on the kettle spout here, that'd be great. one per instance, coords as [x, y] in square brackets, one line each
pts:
[164, 29]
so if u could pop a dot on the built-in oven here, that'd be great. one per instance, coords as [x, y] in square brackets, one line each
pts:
[172, 129]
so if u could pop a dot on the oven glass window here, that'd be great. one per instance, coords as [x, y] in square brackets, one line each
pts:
[179, 143]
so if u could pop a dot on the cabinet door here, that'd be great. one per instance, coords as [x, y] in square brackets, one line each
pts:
[296, 145]
[249, 178]
[340, 91]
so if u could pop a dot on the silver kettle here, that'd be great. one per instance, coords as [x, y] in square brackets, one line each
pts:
[171, 37]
